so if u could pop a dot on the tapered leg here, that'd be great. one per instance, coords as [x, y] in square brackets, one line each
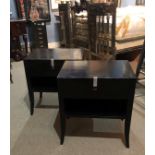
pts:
[31, 95]
[63, 127]
[11, 78]
[41, 95]
[62, 118]
[127, 130]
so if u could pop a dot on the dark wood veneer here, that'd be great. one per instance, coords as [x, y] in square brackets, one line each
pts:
[112, 97]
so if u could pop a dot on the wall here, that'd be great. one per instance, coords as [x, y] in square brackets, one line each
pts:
[52, 30]
[13, 9]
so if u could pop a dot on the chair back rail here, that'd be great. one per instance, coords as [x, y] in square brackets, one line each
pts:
[101, 26]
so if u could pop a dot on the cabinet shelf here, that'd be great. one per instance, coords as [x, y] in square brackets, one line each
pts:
[44, 83]
[96, 107]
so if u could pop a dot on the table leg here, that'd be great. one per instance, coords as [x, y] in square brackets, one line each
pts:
[127, 130]
[31, 96]
[41, 95]
[62, 119]
[63, 126]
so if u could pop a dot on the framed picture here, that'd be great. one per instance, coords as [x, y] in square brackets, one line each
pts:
[20, 5]
[38, 10]
[33, 9]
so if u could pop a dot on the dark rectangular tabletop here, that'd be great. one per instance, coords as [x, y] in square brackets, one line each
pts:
[56, 54]
[114, 69]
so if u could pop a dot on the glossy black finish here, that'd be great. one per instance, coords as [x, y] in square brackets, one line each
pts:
[102, 69]
[42, 67]
[112, 97]
[56, 54]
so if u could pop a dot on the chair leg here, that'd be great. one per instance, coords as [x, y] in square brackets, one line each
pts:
[11, 78]
[41, 95]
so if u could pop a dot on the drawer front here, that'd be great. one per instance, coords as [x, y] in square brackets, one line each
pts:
[40, 39]
[41, 44]
[40, 35]
[42, 68]
[84, 88]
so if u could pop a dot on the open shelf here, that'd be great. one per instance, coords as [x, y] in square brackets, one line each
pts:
[44, 83]
[96, 107]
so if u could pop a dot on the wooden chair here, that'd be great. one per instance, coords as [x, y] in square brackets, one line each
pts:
[139, 73]
[79, 27]
[101, 25]
[137, 65]
[65, 24]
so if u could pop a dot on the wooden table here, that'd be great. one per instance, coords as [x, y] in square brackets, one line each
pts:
[17, 29]
[98, 89]
[129, 50]
[42, 67]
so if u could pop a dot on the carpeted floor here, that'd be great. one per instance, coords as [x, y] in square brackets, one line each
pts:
[39, 134]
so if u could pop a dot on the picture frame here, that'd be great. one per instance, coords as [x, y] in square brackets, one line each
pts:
[20, 8]
[33, 10]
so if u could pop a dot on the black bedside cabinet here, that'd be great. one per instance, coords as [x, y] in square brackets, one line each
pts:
[98, 89]
[42, 67]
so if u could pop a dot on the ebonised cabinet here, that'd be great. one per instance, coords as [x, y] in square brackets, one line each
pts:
[39, 34]
[42, 67]
[96, 89]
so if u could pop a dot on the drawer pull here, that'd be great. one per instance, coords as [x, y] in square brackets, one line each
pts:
[95, 82]
[52, 63]
[40, 33]
[39, 28]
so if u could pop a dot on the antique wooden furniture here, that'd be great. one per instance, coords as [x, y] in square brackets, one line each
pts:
[38, 34]
[129, 50]
[42, 67]
[80, 37]
[65, 24]
[140, 62]
[101, 24]
[96, 89]
[18, 36]
[126, 47]
[138, 65]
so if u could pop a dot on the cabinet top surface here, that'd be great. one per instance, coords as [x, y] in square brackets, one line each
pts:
[56, 54]
[114, 69]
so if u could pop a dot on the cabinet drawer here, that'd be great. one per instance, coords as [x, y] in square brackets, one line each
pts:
[40, 34]
[83, 88]
[39, 44]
